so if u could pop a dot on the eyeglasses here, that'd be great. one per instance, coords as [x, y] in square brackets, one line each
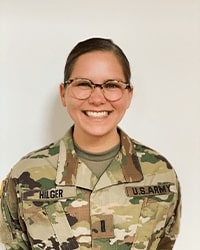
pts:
[82, 88]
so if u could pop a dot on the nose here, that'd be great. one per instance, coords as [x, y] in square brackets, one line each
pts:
[97, 96]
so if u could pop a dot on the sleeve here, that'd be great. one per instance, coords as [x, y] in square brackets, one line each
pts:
[13, 233]
[172, 228]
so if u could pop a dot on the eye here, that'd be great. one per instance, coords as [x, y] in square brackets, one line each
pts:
[81, 83]
[112, 85]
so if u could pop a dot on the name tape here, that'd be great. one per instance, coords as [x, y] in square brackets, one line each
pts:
[160, 189]
[53, 194]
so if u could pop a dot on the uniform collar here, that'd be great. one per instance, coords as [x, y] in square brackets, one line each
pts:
[125, 167]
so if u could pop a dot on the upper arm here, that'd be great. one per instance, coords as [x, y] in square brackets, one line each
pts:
[11, 232]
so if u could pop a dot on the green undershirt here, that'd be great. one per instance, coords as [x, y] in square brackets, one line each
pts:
[97, 162]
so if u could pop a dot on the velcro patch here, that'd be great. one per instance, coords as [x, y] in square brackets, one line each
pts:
[49, 194]
[160, 189]
[102, 226]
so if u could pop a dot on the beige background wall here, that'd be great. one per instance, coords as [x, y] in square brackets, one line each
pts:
[161, 39]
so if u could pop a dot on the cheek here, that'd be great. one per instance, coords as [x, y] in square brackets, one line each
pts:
[72, 105]
[67, 100]
[123, 104]
[119, 110]
[71, 109]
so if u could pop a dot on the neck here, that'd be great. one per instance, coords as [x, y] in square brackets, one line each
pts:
[96, 144]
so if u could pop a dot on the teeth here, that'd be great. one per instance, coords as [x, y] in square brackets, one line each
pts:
[97, 114]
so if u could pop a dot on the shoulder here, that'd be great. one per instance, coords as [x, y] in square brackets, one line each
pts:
[43, 161]
[149, 160]
[155, 167]
[44, 152]
[148, 154]
[38, 160]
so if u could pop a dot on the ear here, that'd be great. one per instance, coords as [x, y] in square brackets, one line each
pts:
[62, 94]
[130, 96]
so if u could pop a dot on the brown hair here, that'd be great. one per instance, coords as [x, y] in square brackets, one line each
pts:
[96, 44]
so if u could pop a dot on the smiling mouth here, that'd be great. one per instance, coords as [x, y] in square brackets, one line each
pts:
[96, 114]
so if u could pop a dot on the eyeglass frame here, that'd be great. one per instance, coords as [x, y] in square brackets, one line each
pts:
[101, 86]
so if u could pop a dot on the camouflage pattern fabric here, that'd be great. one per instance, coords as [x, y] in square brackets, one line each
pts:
[51, 200]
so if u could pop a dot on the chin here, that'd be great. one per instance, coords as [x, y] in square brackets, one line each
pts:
[100, 131]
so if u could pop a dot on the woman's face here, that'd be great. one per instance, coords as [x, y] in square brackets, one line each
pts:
[96, 116]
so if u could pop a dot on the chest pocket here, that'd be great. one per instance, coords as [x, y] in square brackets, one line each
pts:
[46, 220]
[157, 207]
[128, 216]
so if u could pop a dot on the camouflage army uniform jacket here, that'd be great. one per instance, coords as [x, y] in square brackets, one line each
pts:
[52, 200]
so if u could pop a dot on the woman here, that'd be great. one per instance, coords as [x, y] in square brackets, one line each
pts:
[95, 188]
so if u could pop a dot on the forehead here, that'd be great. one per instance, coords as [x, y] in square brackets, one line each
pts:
[99, 55]
[98, 63]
